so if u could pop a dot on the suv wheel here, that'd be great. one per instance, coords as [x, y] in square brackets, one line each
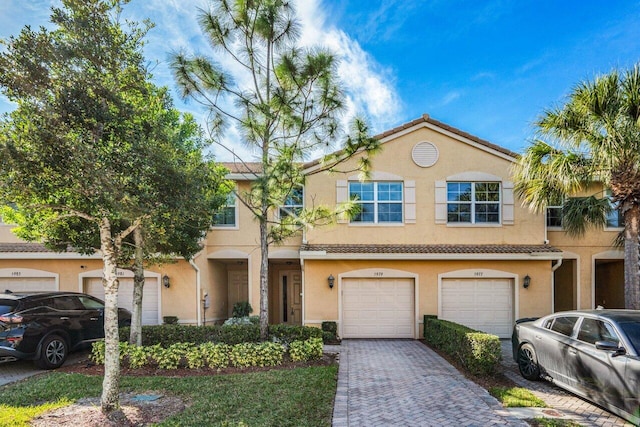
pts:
[54, 352]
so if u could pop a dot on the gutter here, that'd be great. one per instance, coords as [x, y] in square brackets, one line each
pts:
[198, 289]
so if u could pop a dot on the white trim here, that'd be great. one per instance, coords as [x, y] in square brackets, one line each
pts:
[382, 273]
[284, 254]
[242, 176]
[98, 274]
[28, 273]
[228, 254]
[610, 254]
[377, 176]
[48, 255]
[474, 176]
[198, 289]
[482, 274]
[542, 256]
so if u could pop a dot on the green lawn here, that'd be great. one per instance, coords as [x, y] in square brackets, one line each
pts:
[513, 397]
[288, 397]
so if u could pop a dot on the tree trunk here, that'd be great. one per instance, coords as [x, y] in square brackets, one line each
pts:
[135, 335]
[631, 258]
[110, 385]
[264, 280]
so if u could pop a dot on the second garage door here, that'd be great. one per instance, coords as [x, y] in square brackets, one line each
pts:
[93, 286]
[482, 304]
[377, 308]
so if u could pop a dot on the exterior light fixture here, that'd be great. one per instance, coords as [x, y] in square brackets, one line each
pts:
[165, 281]
[331, 280]
[526, 282]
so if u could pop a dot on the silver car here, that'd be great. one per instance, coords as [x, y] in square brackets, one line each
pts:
[592, 353]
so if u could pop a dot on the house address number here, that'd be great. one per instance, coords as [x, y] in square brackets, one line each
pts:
[378, 274]
[478, 274]
[16, 273]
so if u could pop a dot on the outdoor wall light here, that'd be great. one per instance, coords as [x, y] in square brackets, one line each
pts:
[526, 282]
[165, 281]
[331, 280]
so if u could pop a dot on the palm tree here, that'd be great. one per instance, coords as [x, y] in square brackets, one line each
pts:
[593, 142]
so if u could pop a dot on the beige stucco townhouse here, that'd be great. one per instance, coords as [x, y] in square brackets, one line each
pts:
[440, 232]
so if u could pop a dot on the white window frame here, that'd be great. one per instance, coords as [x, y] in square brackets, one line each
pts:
[376, 202]
[615, 213]
[292, 209]
[473, 203]
[231, 197]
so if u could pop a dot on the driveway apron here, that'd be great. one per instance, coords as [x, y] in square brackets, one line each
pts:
[404, 383]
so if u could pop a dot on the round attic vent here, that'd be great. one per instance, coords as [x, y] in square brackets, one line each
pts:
[424, 154]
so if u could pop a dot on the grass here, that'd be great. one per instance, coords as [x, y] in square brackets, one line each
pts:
[552, 422]
[516, 397]
[20, 416]
[289, 397]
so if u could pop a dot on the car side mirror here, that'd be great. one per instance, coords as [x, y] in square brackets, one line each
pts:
[610, 346]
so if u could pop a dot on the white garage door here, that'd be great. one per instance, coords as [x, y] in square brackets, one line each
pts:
[27, 284]
[485, 305]
[377, 308]
[93, 286]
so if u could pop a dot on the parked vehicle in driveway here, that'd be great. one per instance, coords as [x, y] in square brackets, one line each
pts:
[592, 353]
[46, 326]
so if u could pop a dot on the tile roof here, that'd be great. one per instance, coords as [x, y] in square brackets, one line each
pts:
[26, 248]
[431, 249]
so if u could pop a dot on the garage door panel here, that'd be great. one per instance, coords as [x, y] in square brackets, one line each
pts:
[482, 304]
[93, 286]
[377, 308]
[27, 284]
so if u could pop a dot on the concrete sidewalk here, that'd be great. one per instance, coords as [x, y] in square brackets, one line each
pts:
[404, 383]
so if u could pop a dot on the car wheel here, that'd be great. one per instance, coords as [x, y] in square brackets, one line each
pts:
[54, 352]
[528, 362]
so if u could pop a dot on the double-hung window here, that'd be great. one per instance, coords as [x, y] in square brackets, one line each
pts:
[615, 219]
[379, 202]
[226, 215]
[473, 202]
[293, 204]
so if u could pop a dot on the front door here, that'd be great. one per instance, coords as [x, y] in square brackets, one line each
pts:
[291, 291]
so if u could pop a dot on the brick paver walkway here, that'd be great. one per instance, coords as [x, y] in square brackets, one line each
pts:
[404, 383]
[569, 405]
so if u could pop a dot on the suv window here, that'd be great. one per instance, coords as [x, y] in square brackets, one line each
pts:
[592, 330]
[90, 303]
[67, 303]
[564, 325]
[7, 306]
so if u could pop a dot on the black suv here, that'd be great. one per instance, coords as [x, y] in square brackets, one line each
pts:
[46, 326]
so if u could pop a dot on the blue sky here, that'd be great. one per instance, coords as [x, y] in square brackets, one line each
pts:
[489, 68]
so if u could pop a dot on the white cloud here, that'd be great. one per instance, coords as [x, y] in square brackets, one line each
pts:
[369, 87]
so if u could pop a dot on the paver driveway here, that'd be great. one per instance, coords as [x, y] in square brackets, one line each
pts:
[404, 383]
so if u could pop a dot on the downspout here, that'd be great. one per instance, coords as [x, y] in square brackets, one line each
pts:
[553, 282]
[198, 289]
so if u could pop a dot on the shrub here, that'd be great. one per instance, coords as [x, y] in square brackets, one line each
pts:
[215, 355]
[247, 320]
[286, 334]
[242, 309]
[478, 352]
[252, 354]
[329, 332]
[170, 320]
[310, 349]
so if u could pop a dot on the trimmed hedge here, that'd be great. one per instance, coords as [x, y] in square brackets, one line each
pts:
[166, 335]
[478, 352]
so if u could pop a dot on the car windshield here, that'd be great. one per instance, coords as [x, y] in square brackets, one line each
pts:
[632, 331]
[7, 305]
